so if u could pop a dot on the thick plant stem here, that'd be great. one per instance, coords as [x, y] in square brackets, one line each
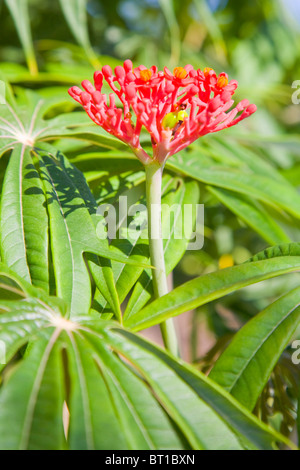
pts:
[154, 172]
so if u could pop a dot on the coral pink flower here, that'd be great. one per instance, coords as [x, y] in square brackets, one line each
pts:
[175, 108]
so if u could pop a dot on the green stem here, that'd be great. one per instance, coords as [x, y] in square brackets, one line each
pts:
[154, 172]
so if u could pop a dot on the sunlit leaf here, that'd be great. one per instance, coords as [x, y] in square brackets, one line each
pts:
[246, 364]
[24, 219]
[209, 287]
[78, 366]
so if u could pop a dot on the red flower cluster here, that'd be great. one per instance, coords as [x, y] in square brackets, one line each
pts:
[175, 108]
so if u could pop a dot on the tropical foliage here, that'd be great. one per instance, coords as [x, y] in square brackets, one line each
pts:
[77, 372]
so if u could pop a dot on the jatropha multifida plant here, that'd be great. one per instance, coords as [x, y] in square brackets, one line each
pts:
[176, 109]
[76, 373]
[77, 299]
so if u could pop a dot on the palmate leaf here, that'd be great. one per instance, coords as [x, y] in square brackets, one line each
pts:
[56, 195]
[24, 228]
[82, 365]
[71, 211]
[246, 364]
[126, 403]
[26, 122]
[30, 308]
[210, 287]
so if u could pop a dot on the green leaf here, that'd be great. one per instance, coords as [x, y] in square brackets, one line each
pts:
[27, 122]
[110, 173]
[163, 371]
[102, 273]
[90, 416]
[29, 315]
[100, 267]
[193, 416]
[30, 413]
[139, 411]
[246, 364]
[78, 126]
[10, 280]
[285, 249]
[253, 185]
[19, 12]
[107, 378]
[180, 195]
[122, 413]
[72, 229]
[24, 311]
[128, 241]
[252, 213]
[210, 287]
[227, 150]
[26, 125]
[24, 219]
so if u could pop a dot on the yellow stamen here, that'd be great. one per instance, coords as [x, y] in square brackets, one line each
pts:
[145, 75]
[206, 71]
[179, 72]
[222, 81]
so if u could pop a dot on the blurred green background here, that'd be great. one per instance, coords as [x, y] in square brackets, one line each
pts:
[57, 43]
